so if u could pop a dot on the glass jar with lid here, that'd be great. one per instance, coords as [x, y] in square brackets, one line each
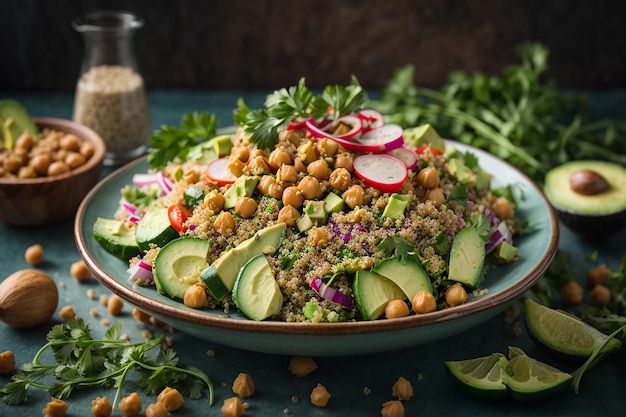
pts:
[110, 93]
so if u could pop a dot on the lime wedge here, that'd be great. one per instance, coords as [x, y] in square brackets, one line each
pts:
[564, 335]
[530, 380]
[480, 376]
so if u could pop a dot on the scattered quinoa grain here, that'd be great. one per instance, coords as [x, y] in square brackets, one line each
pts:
[105, 322]
[104, 300]
[294, 399]
[34, 255]
[67, 313]
[210, 353]
[146, 334]
[94, 312]
[91, 294]
[367, 391]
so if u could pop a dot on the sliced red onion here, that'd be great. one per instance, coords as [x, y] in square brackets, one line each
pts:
[143, 180]
[141, 273]
[500, 234]
[130, 208]
[164, 182]
[332, 294]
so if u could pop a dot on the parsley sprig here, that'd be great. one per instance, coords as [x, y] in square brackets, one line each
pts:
[297, 103]
[82, 362]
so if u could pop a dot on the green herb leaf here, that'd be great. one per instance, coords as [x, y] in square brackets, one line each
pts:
[399, 247]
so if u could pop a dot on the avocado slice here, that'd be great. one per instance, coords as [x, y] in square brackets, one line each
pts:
[256, 292]
[409, 276]
[372, 293]
[424, 135]
[397, 205]
[467, 257]
[243, 186]
[178, 265]
[14, 121]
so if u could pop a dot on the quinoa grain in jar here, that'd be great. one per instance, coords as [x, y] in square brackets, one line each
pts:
[110, 93]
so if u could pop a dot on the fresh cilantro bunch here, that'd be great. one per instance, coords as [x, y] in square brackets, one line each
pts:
[170, 143]
[297, 103]
[83, 362]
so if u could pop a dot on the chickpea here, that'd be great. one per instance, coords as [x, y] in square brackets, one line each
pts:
[141, 316]
[74, 160]
[57, 168]
[600, 295]
[130, 406]
[354, 196]
[292, 196]
[55, 408]
[87, 149]
[264, 184]
[214, 201]
[79, 271]
[7, 362]
[25, 141]
[327, 147]
[288, 215]
[396, 309]
[279, 157]
[40, 163]
[319, 169]
[34, 255]
[276, 190]
[195, 296]
[317, 237]
[12, 163]
[340, 179]
[402, 389]
[232, 407]
[456, 295]
[424, 302]
[293, 136]
[156, 410]
[310, 187]
[115, 305]
[299, 165]
[101, 407]
[243, 385]
[598, 275]
[572, 293]
[257, 166]
[344, 160]
[224, 223]
[242, 153]
[26, 172]
[436, 196]
[171, 398]
[301, 366]
[69, 143]
[502, 208]
[245, 207]
[392, 408]
[236, 167]
[286, 174]
[320, 396]
[428, 178]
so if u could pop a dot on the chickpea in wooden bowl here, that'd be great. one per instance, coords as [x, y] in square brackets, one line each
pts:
[45, 175]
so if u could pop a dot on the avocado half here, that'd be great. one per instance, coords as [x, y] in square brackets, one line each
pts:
[590, 213]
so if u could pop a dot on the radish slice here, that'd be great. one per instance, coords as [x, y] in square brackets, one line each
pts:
[355, 123]
[144, 180]
[382, 171]
[371, 119]
[386, 137]
[332, 294]
[218, 172]
[405, 155]
[348, 145]
[141, 273]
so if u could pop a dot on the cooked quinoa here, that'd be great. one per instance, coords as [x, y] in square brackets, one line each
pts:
[350, 238]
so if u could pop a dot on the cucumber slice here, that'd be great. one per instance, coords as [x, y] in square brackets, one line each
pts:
[14, 121]
[409, 275]
[155, 227]
[178, 265]
[467, 257]
[256, 292]
[372, 292]
[116, 238]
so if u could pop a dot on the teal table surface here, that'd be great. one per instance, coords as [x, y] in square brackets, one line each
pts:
[359, 385]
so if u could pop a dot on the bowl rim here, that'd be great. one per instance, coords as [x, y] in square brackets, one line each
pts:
[152, 305]
[67, 126]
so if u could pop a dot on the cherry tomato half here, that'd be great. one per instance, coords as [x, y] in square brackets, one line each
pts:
[178, 215]
[422, 149]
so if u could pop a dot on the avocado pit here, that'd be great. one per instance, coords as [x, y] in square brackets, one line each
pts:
[588, 182]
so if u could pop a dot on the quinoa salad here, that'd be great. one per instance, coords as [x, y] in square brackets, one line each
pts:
[352, 192]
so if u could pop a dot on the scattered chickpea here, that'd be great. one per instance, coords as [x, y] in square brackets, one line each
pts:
[393, 408]
[310, 187]
[104, 300]
[243, 385]
[428, 178]
[318, 169]
[232, 407]
[55, 408]
[214, 201]
[195, 296]
[327, 147]
[600, 295]
[34, 255]
[344, 160]
[317, 237]
[7, 362]
[402, 389]
[156, 410]
[245, 207]
[340, 179]
[572, 293]
[115, 305]
[224, 223]
[279, 157]
[292, 196]
[320, 396]
[502, 208]
[396, 309]
[257, 165]
[130, 406]
[301, 366]
[105, 322]
[67, 313]
[264, 184]
[424, 302]
[288, 215]
[437, 196]
[598, 275]
[236, 167]
[354, 196]
[171, 398]
[456, 295]
[286, 174]
[101, 407]
[79, 271]
[141, 316]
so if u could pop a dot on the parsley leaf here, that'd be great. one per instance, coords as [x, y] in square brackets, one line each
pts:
[398, 246]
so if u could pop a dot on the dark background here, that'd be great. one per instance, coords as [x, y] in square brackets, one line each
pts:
[265, 44]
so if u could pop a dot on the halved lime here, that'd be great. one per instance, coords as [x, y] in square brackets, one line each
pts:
[562, 334]
[530, 380]
[481, 376]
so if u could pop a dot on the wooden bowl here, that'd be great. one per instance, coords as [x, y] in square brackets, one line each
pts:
[46, 200]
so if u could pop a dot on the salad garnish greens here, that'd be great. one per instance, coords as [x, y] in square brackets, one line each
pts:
[84, 362]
